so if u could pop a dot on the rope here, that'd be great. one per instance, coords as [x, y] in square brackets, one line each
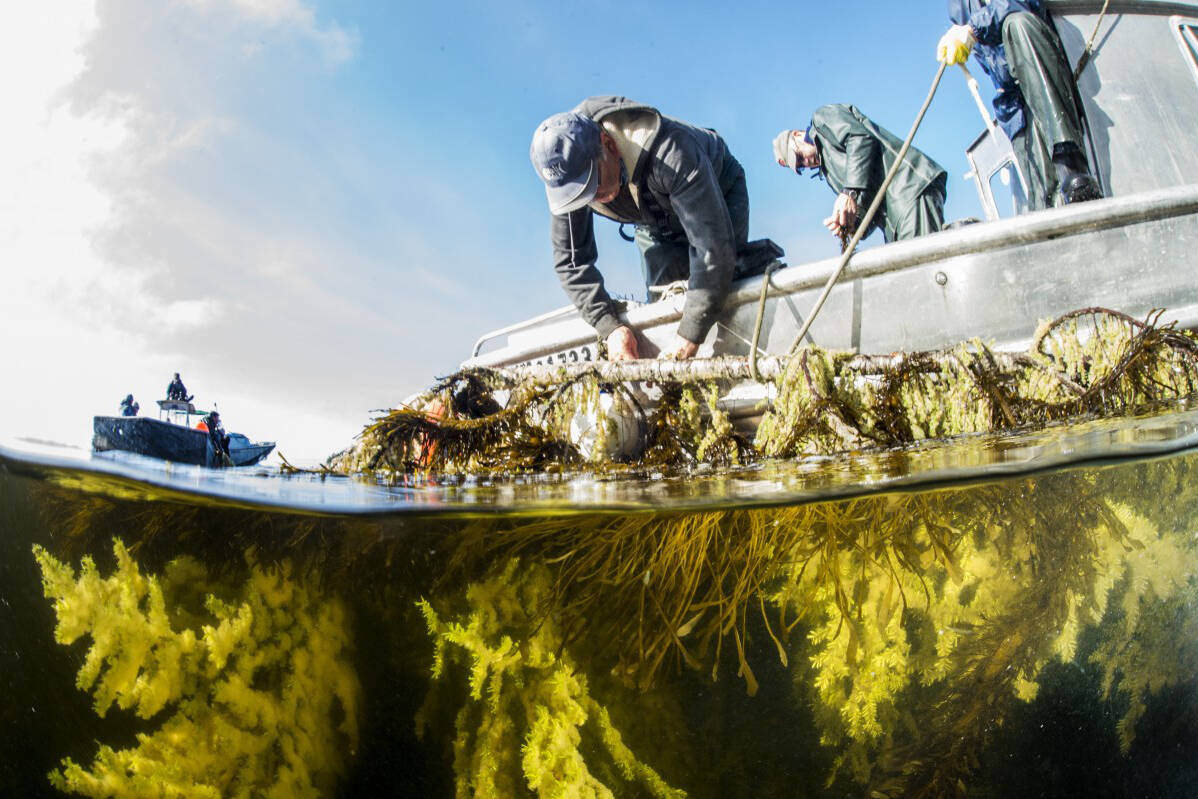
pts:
[864, 223]
[765, 290]
[1084, 59]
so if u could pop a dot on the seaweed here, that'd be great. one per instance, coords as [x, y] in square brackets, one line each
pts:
[1089, 362]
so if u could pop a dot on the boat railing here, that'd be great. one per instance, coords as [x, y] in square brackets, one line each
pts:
[178, 411]
[1143, 208]
[527, 324]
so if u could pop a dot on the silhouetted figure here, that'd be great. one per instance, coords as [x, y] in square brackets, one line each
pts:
[129, 406]
[177, 391]
[218, 436]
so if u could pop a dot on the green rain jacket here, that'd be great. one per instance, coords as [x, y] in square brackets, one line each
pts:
[856, 153]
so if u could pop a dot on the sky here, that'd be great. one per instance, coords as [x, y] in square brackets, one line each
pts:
[312, 209]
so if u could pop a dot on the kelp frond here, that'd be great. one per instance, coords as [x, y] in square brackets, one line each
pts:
[1093, 361]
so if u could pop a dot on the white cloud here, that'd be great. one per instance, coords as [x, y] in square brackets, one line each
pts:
[335, 43]
[74, 326]
[49, 211]
[147, 227]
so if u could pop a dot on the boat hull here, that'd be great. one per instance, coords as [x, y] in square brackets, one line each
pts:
[170, 442]
[993, 280]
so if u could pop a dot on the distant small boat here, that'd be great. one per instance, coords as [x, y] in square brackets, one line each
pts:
[173, 438]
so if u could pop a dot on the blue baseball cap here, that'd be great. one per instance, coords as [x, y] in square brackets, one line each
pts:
[565, 153]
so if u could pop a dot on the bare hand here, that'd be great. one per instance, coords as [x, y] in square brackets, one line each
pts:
[621, 344]
[682, 349]
[844, 216]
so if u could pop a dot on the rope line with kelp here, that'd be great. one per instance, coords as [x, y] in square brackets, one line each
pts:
[1093, 361]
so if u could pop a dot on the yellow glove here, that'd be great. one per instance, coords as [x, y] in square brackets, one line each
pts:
[955, 45]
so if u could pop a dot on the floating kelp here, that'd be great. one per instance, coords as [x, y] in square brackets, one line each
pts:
[545, 425]
[260, 698]
[667, 413]
[1089, 362]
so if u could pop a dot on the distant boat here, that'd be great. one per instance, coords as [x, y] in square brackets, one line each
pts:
[173, 438]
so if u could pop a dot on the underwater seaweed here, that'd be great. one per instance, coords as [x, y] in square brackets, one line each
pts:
[913, 624]
[259, 697]
[529, 706]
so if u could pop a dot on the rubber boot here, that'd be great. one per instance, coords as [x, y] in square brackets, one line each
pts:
[1073, 174]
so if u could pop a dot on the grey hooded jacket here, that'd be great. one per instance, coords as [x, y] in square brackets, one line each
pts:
[674, 172]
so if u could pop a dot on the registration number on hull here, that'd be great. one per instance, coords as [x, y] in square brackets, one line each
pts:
[575, 355]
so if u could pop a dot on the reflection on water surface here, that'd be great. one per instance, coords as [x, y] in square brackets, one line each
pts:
[991, 617]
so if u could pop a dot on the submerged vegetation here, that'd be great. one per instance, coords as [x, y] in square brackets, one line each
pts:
[1090, 362]
[249, 685]
[913, 622]
[602, 654]
[529, 705]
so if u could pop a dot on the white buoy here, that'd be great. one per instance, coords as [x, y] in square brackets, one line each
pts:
[605, 428]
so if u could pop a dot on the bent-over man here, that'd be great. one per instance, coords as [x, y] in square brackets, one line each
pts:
[853, 154]
[1036, 104]
[677, 183]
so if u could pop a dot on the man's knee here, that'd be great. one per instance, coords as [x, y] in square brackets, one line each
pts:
[1020, 25]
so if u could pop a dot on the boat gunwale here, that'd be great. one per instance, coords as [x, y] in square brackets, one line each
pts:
[1161, 7]
[983, 237]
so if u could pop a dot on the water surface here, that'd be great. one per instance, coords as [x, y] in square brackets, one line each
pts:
[994, 615]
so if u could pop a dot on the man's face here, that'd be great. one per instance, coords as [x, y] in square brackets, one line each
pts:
[806, 153]
[609, 170]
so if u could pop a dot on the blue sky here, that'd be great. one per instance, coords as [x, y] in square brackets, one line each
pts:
[312, 209]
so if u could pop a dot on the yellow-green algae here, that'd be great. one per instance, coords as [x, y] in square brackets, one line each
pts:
[529, 706]
[913, 626]
[250, 682]
[1090, 362]
[913, 623]
[448, 431]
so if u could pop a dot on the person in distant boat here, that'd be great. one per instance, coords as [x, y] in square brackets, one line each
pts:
[177, 391]
[129, 406]
[1037, 104]
[216, 432]
[677, 183]
[853, 154]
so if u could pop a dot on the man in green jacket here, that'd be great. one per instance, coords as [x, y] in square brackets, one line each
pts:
[853, 154]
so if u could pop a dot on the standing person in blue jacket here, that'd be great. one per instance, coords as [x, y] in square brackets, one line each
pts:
[677, 183]
[1036, 104]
